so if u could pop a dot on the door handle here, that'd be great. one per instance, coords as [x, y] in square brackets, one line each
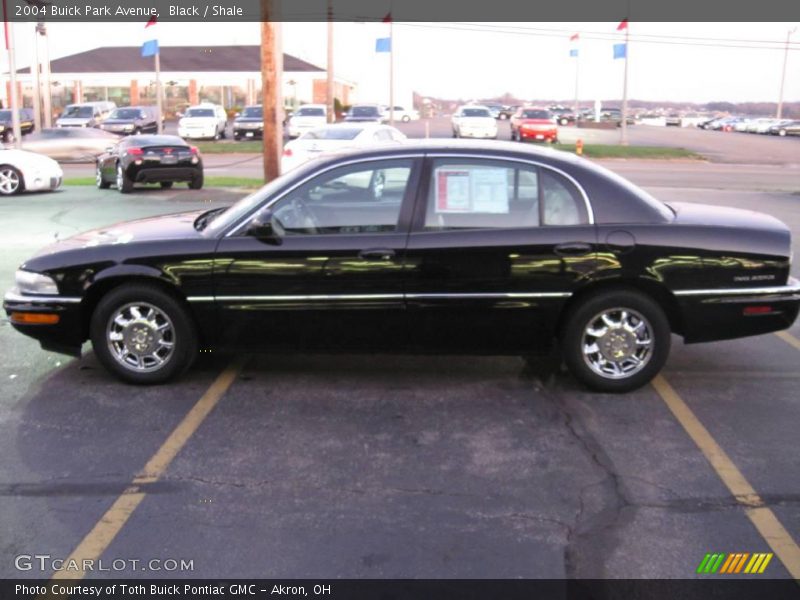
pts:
[377, 254]
[572, 249]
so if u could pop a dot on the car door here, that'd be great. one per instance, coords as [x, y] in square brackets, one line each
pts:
[334, 278]
[496, 249]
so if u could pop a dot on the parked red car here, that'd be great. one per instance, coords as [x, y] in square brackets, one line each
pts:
[535, 124]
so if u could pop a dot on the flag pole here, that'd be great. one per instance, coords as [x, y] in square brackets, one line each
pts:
[157, 61]
[624, 124]
[391, 70]
[577, 67]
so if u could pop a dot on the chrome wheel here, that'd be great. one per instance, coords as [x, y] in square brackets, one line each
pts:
[98, 177]
[120, 177]
[140, 337]
[9, 181]
[617, 343]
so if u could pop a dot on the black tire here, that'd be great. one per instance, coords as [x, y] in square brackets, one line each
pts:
[124, 183]
[405, 119]
[582, 316]
[455, 133]
[513, 136]
[564, 122]
[217, 135]
[181, 334]
[9, 137]
[223, 133]
[137, 131]
[197, 182]
[165, 185]
[100, 182]
[11, 181]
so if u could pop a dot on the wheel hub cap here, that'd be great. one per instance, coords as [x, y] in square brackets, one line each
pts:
[617, 343]
[140, 337]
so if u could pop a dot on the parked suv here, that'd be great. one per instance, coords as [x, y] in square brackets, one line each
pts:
[203, 121]
[7, 125]
[249, 123]
[85, 114]
[132, 120]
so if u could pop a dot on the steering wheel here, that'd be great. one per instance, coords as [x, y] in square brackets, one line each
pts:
[295, 215]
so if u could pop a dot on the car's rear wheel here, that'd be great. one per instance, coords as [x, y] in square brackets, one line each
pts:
[782, 132]
[142, 334]
[11, 181]
[405, 119]
[197, 182]
[124, 183]
[166, 185]
[616, 341]
[9, 137]
[99, 180]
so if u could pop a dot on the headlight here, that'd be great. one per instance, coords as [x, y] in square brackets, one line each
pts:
[35, 283]
[128, 127]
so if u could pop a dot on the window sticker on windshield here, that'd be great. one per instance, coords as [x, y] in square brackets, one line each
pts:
[474, 190]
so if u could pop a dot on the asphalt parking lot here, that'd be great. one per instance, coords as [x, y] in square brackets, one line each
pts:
[398, 466]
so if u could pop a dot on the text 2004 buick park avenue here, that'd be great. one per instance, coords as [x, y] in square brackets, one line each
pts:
[418, 247]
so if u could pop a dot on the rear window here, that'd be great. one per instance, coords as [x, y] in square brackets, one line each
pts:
[126, 113]
[253, 112]
[364, 111]
[333, 133]
[200, 112]
[155, 140]
[310, 112]
[535, 114]
[475, 112]
[78, 112]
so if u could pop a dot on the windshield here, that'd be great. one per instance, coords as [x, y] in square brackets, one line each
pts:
[78, 112]
[310, 112]
[5, 115]
[364, 111]
[333, 133]
[475, 112]
[200, 112]
[535, 114]
[126, 113]
[253, 112]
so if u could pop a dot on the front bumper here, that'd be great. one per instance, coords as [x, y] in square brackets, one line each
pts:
[548, 135]
[66, 336]
[478, 133]
[197, 133]
[242, 132]
[722, 314]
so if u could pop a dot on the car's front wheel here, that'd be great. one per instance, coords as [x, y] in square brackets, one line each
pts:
[616, 341]
[99, 180]
[11, 181]
[142, 334]
[782, 132]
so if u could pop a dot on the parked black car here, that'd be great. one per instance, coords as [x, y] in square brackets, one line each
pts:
[162, 159]
[489, 248]
[26, 124]
[364, 113]
[784, 129]
[249, 124]
[132, 120]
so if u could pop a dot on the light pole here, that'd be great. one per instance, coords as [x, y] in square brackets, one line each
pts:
[783, 74]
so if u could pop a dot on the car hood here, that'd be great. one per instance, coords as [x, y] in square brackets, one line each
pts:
[536, 122]
[73, 121]
[722, 216]
[119, 121]
[248, 120]
[174, 227]
[477, 121]
[29, 160]
[204, 121]
[374, 119]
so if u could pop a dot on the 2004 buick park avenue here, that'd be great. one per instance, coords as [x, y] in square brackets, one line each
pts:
[486, 248]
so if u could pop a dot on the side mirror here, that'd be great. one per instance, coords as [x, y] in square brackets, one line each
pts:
[110, 149]
[266, 228]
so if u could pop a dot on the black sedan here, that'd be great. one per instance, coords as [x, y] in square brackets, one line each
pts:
[418, 247]
[785, 128]
[162, 159]
[26, 123]
[249, 124]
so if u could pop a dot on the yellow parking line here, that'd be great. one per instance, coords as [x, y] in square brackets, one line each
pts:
[765, 521]
[789, 339]
[110, 524]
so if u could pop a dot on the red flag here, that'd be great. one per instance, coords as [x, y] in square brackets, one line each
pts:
[388, 17]
[623, 24]
[573, 37]
[152, 21]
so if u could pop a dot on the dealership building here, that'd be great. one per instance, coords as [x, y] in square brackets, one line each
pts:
[228, 75]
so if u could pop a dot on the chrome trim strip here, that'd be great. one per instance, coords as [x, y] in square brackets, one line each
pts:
[792, 287]
[589, 211]
[30, 299]
[243, 221]
[325, 297]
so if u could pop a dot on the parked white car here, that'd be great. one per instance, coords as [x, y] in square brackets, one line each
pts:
[400, 114]
[306, 118]
[335, 136]
[85, 114]
[474, 121]
[203, 121]
[22, 171]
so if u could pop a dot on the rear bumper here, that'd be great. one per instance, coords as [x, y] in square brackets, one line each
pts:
[158, 173]
[721, 314]
[248, 133]
[66, 336]
[541, 134]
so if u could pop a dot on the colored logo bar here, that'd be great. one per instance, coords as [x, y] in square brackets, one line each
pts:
[733, 563]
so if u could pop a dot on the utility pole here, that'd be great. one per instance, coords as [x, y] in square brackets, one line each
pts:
[41, 29]
[270, 95]
[37, 83]
[783, 75]
[329, 85]
[12, 68]
[159, 93]
[391, 70]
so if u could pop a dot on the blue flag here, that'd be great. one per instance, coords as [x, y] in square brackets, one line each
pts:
[573, 52]
[383, 45]
[150, 48]
[620, 51]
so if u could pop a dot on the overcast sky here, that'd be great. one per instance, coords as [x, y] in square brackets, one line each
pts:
[529, 60]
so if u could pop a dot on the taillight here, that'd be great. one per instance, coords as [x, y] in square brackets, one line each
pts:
[287, 151]
[757, 310]
[135, 151]
[194, 150]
